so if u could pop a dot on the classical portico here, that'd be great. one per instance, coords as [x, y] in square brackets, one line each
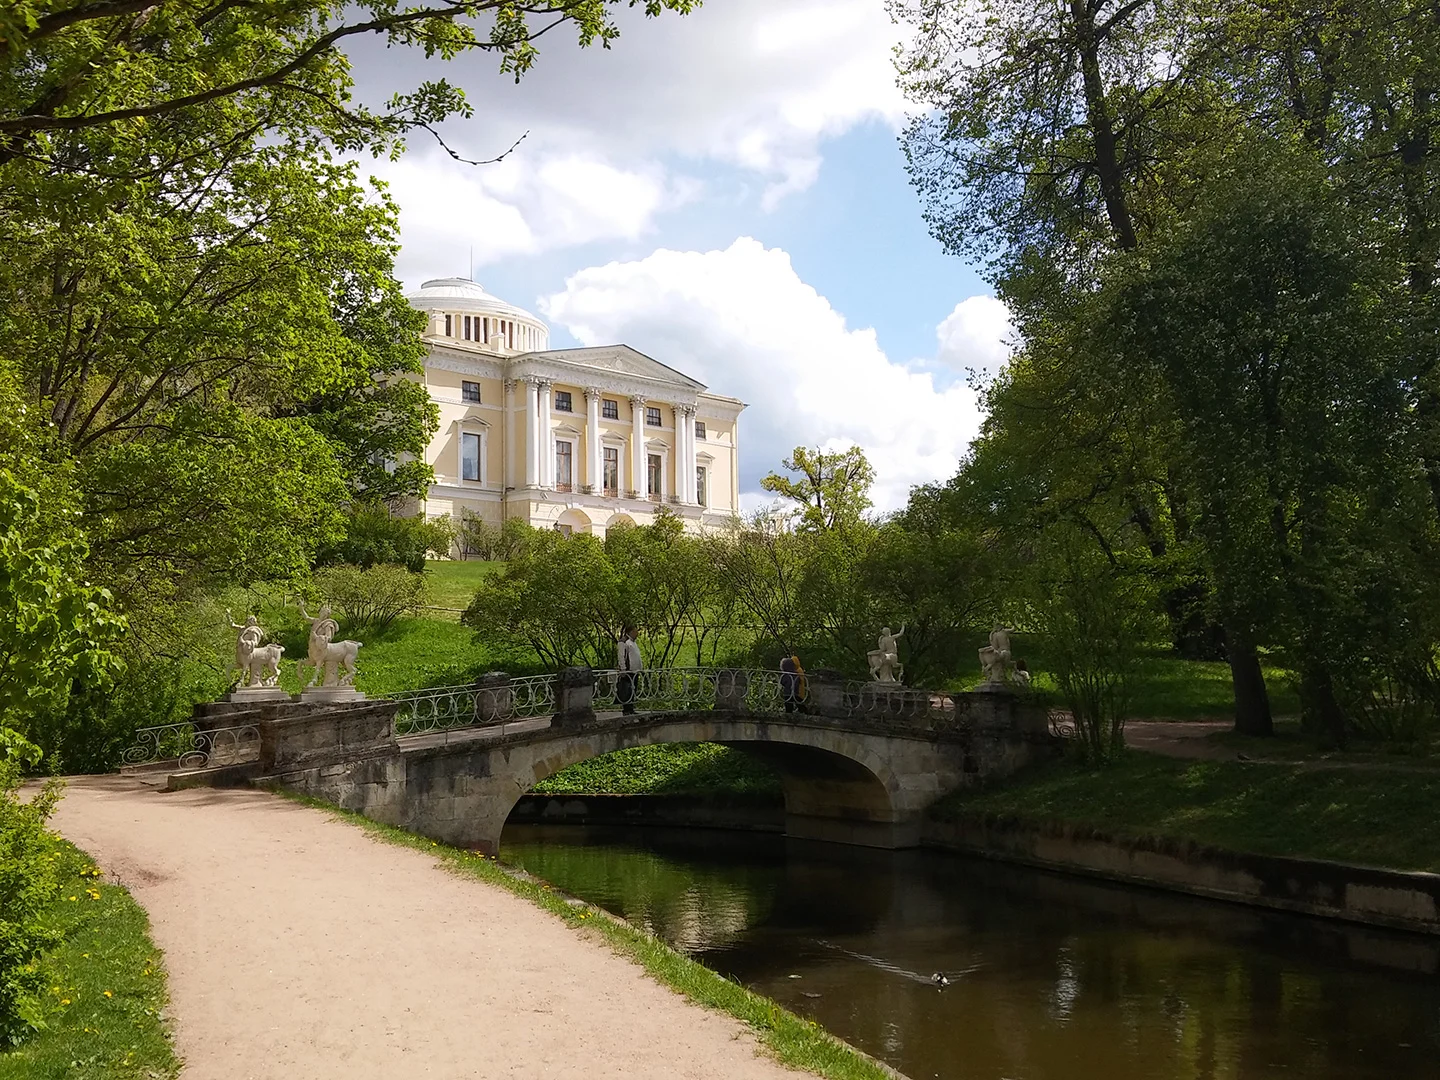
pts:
[606, 434]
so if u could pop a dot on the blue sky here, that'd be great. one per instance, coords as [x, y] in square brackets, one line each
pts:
[726, 192]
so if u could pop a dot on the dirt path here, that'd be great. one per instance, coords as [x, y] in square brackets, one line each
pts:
[300, 948]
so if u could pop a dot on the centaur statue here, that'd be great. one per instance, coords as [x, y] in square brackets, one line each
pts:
[327, 656]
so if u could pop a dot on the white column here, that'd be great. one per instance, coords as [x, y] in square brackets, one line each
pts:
[532, 440]
[547, 436]
[686, 469]
[507, 435]
[593, 475]
[637, 445]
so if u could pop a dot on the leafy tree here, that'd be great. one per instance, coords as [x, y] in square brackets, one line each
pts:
[54, 624]
[28, 884]
[1268, 324]
[372, 595]
[832, 488]
[374, 536]
[127, 67]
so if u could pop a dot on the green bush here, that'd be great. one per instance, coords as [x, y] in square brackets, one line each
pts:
[373, 535]
[27, 886]
[371, 596]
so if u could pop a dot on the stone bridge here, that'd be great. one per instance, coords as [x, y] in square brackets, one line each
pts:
[860, 762]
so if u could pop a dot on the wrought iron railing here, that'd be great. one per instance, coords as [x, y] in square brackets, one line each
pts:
[477, 704]
[186, 747]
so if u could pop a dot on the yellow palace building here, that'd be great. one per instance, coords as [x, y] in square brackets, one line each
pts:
[574, 439]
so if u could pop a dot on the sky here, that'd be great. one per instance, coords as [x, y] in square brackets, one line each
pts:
[724, 192]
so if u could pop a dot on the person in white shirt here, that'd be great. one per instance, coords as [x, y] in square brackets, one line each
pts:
[629, 664]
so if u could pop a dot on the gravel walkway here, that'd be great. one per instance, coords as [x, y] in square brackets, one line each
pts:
[300, 948]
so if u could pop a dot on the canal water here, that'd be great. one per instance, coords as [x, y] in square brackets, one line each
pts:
[1051, 977]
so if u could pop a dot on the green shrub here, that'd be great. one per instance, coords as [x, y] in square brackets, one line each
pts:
[371, 596]
[373, 535]
[27, 886]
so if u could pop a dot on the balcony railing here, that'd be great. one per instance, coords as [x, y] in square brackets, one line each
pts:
[563, 486]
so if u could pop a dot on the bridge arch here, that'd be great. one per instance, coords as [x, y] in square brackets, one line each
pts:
[836, 787]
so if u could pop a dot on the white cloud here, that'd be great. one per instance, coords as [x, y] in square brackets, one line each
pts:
[617, 136]
[975, 336]
[743, 322]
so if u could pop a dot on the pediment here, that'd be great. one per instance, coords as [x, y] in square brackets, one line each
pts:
[624, 361]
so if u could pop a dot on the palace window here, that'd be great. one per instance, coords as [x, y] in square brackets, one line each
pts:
[612, 471]
[654, 475]
[700, 486]
[564, 466]
[610, 409]
[652, 417]
[699, 429]
[485, 330]
[466, 326]
[469, 456]
[563, 401]
[449, 325]
[470, 391]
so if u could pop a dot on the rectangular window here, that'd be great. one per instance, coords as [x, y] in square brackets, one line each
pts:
[470, 391]
[654, 470]
[699, 429]
[564, 471]
[510, 334]
[485, 330]
[469, 456]
[652, 417]
[700, 486]
[466, 323]
[449, 325]
[563, 401]
[610, 409]
[612, 470]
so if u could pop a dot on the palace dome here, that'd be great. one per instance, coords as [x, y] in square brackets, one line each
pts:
[462, 294]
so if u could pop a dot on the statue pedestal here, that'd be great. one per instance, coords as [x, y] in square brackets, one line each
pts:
[994, 688]
[327, 694]
[254, 695]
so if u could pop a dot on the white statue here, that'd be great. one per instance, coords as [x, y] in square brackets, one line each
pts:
[249, 639]
[885, 666]
[327, 656]
[265, 665]
[995, 659]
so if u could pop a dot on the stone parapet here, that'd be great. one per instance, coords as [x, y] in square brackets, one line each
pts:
[296, 735]
[492, 697]
[574, 696]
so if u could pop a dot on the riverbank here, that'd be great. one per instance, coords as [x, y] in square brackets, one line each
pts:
[300, 945]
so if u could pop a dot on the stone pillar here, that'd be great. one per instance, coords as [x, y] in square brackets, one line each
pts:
[827, 692]
[492, 697]
[731, 686]
[547, 436]
[574, 696]
[637, 446]
[532, 436]
[594, 472]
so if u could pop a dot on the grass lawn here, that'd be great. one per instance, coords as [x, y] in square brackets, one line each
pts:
[1166, 687]
[1368, 816]
[106, 988]
[667, 769]
[452, 582]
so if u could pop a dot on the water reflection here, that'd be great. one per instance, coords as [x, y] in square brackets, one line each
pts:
[1052, 978]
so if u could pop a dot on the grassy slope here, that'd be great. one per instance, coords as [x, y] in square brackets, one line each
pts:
[667, 769]
[1357, 815]
[452, 582]
[106, 989]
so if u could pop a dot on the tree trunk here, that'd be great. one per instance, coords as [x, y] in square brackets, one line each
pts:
[1322, 713]
[1252, 700]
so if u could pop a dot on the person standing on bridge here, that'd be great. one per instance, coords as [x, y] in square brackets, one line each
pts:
[629, 664]
[792, 682]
